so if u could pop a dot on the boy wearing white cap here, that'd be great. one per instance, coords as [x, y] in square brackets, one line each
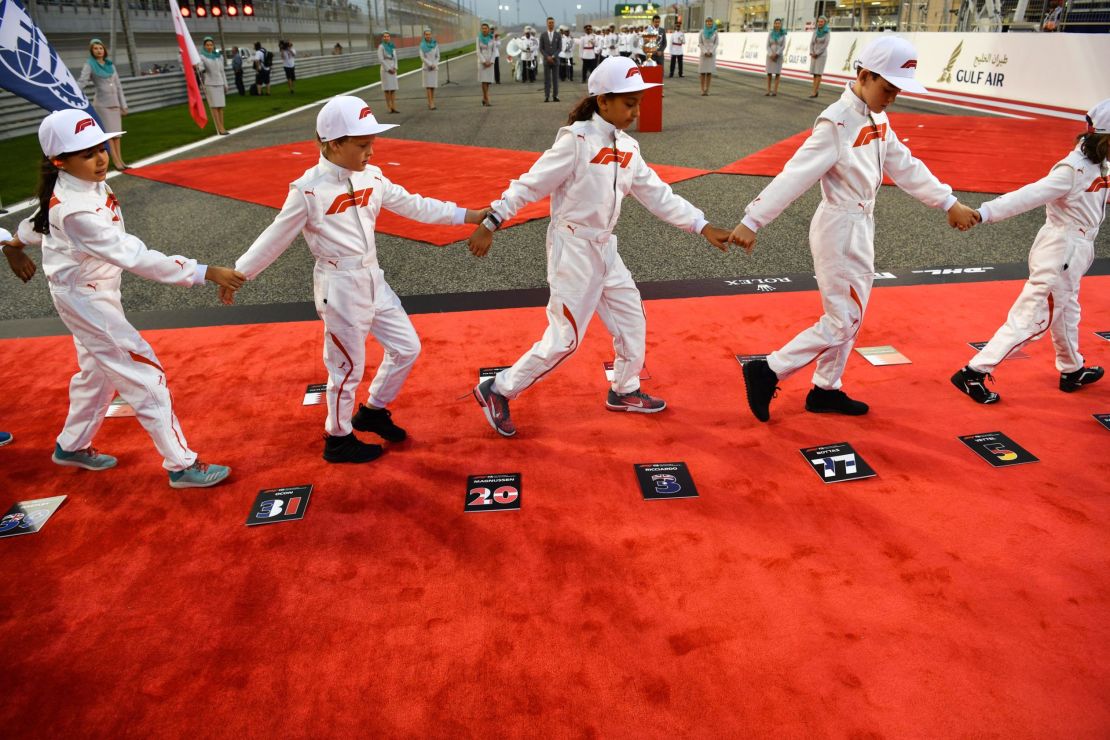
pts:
[85, 249]
[335, 204]
[852, 146]
[587, 172]
[1074, 192]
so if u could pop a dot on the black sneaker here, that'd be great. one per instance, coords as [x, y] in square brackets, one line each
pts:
[761, 384]
[379, 422]
[821, 401]
[1071, 382]
[975, 385]
[496, 408]
[349, 449]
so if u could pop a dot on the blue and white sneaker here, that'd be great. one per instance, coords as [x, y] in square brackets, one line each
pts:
[88, 458]
[199, 475]
[6, 438]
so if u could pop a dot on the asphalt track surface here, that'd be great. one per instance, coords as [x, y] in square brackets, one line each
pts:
[705, 132]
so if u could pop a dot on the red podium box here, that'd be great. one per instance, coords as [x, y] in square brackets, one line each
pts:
[651, 106]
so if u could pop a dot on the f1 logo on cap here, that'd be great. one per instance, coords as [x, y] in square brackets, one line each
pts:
[83, 124]
[910, 64]
[365, 112]
[632, 72]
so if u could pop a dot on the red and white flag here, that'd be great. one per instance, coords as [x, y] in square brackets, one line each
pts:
[189, 60]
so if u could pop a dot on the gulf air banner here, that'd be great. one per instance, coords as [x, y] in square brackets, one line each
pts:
[29, 66]
[1053, 74]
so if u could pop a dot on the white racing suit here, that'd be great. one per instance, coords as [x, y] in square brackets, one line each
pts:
[1075, 192]
[83, 257]
[848, 152]
[336, 210]
[587, 173]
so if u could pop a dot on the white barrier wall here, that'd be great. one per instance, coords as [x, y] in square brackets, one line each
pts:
[1059, 74]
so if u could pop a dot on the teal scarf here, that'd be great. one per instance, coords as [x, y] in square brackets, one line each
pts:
[101, 69]
[708, 32]
[485, 38]
[390, 49]
[778, 35]
[210, 54]
[825, 30]
[426, 46]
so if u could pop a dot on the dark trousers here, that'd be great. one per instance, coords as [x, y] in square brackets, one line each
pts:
[566, 69]
[550, 78]
[239, 82]
[497, 70]
[676, 58]
[657, 57]
[588, 66]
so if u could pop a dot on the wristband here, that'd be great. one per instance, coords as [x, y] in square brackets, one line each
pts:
[491, 222]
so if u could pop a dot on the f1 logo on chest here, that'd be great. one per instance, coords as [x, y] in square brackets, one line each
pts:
[608, 155]
[867, 134]
[347, 200]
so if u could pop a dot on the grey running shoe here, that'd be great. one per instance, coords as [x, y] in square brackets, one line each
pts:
[637, 401]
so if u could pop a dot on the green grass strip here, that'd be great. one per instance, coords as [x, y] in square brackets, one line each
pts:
[154, 131]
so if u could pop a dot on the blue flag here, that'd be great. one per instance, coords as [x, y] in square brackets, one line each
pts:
[29, 66]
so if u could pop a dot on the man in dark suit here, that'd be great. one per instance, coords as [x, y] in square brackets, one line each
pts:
[551, 43]
[660, 40]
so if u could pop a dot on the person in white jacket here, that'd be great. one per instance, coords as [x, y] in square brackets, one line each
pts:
[1074, 193]
[588, 50]
[85, 249]
[335, 204]
[592, 165]
[852, 146]
[677, 41]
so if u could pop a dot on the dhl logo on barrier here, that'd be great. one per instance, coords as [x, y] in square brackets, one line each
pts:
[867, 134]
[609, 154]
[347, 200]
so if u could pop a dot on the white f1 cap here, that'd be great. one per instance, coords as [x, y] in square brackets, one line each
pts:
[71, 130]
[346, 115]
[895, 60]
[618, 75]
[1100, 118]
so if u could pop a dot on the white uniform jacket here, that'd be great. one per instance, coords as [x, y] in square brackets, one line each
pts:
[587, 46]
[587, 172]
[336, 209]
[88, 247]
[848, 152]
[678, 43]
[1075, 192]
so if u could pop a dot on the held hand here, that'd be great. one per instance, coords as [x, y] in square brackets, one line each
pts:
[961, 217]
[743, 236]
[716, 236]
[123, 111]
[480, 241]
[475, 216]
[21, 264]
[227, 295]
[225, 277]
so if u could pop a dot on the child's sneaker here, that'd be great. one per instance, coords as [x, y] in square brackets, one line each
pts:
[199, 475]
[88, 458]
[6, 438]
[822, 401]
[1071, 382]
[496, 408]
[350, 449]
[379, 422]
[975, 385]
[761, 385]
[636, 401]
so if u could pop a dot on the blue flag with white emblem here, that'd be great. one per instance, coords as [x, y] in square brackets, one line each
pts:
[29, 65]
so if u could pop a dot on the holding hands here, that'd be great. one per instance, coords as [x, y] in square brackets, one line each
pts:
[962, 217]
[743, 236]
[716, 236]
[228, 279]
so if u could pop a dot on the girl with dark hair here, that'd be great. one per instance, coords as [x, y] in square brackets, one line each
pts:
[587, 172]
[776, 47]
[85, 249]
[1074, 193]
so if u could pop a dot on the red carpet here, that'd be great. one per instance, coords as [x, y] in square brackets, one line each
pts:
[970, 153]
[444, 171]
[943, 598]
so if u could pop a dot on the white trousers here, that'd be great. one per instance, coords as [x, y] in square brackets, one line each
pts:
[1049, 301]
[113, 357]
[586, 276]
[843, 247]
[355, 303]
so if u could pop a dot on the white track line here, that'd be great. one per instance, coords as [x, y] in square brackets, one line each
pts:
[31, 202]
